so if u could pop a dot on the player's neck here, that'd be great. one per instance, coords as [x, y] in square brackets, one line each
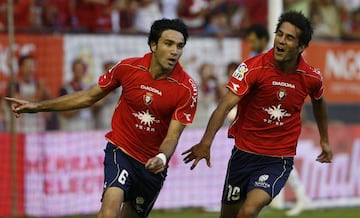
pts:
[158, 73]
[287, 66]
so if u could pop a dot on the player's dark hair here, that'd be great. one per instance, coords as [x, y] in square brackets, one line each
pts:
[259, 30]
[159, 26]
[299, 20]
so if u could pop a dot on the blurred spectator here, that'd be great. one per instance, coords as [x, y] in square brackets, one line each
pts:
[56, 15]
[257, 37]
[209, 94]
[349, 5]
[194, 13]
[352, 28]
[169, 8]
[217, 24]
[26, 15]
[236, 13]
[90, 15]
[256, 12]
[29, 87]
[3, 15]
[127, 12]
[104, 109]
[326, 18]
[76, 120]
[147, 12]
[298, 5]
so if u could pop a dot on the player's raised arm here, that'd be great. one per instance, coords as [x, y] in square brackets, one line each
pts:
[71, 101]
[167, 148]
[202, 149]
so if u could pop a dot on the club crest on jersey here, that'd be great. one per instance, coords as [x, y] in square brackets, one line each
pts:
[281, 94]
[148, 98]
[240, 71]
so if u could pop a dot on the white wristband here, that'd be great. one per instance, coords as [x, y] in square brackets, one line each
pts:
[162, 156]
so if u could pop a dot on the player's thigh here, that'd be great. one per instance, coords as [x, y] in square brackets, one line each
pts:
[128, 211]
[111, 202]
[230, 210]
[256, 200]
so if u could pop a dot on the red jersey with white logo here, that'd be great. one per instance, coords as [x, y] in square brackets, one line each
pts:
[146, 106]
[268, 116]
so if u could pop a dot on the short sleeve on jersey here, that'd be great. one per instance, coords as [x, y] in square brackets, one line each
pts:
[185, 113]
[108, 81]
[240, 80]
[318, 90]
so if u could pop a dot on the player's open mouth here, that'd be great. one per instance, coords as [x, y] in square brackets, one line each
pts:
[279, 50]
[172, 61]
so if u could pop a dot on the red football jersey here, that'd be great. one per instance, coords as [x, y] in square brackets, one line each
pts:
[268, 116]
[146, 106]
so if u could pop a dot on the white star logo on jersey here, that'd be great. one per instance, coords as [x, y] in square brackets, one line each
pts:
[146, 118]
[235, 86]
[277, 113]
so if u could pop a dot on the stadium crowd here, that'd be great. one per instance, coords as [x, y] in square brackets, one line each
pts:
[333, 19]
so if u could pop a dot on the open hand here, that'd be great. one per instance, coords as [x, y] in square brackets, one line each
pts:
[196, 153]
[325, 156]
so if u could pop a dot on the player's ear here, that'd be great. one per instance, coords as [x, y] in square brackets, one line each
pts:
[301, 48]
[153, 46]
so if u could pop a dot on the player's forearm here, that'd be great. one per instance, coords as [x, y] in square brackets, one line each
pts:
[168, 147]
[321, 117]
[72, 101]
[215, 123]
[63, 103]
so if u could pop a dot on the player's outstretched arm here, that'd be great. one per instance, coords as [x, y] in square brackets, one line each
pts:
[167, 148]
[202, 149]
[320, 114]
[71, 101]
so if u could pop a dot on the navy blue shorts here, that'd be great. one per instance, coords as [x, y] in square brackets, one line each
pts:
[140, 186]
[247, 171]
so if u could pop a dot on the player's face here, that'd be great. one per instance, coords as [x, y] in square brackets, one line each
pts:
[286, 43]
[167, 51]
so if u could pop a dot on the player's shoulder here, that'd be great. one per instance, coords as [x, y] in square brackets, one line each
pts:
[182, 78]
[308, 70]
[257, 61]
[139, 62]
[131, 60]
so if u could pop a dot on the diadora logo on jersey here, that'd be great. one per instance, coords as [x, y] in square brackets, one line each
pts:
[146, 120]
[195, 93]
[151, 89]
[240, 71]
[262, 181]
[148, 98]
[281, 94]
[283, 84]
[276, 115]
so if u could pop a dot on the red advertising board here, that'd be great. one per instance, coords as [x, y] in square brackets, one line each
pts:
[12, 176]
